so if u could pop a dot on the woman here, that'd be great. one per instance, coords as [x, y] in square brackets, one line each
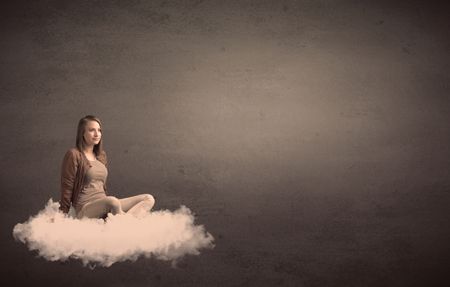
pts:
[83, 178]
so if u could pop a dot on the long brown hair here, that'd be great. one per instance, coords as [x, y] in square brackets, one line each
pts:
[80, 143]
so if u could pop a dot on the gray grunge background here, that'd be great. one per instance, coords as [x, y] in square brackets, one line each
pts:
[311, 138]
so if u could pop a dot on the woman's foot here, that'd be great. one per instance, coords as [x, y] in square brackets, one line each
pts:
[141, 209]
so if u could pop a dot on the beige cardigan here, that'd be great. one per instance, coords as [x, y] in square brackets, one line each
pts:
[73, 171]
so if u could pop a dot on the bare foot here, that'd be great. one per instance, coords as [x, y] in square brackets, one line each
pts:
[141, 209]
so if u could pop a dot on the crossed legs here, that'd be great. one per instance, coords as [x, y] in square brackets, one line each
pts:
[137, 205]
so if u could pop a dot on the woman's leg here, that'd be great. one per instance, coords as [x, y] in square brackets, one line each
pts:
[101, 207]
[137, 204]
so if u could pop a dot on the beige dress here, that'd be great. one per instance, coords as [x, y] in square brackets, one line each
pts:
[94, 184]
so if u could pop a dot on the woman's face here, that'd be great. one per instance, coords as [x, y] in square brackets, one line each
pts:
[92, 133]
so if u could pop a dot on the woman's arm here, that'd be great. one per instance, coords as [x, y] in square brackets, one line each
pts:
[68, 173]
[104, 159]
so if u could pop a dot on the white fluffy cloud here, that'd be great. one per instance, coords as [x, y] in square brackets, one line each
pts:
[163, 234]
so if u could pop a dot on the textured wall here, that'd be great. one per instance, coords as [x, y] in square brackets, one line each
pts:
[311, 138]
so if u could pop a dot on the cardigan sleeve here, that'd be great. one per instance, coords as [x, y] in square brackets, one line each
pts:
[68, 174]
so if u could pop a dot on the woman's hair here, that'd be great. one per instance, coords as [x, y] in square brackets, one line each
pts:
[80, 143]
